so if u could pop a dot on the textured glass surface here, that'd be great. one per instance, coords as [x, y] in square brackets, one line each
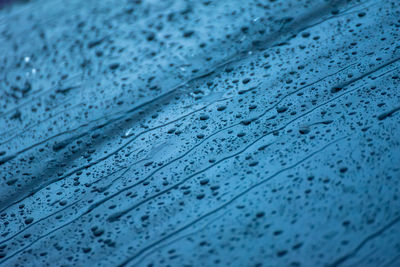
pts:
[200, 133]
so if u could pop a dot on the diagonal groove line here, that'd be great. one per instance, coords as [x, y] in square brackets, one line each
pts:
[31, 244]
[128, 168]
[68, 206]
[33, 97]
[118, 215]
[107, 175]
[38, 221]
[205, 74]
[141, 251]
[197, 145]
[132, 140]
[97, 161]
[8, 158]
[217, 66]
[222, 65]
[122, 213]
[182, 237]
[356, 79]
[154, 99]
[140, 106]
[345, 12]
[112, 120]
[29, 127]
[93, 206]
[353, 252]
[188, 225]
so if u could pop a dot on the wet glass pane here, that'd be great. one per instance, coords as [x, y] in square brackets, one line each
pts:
[199, 133]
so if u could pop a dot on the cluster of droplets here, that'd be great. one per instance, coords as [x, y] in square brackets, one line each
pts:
[164, 144]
